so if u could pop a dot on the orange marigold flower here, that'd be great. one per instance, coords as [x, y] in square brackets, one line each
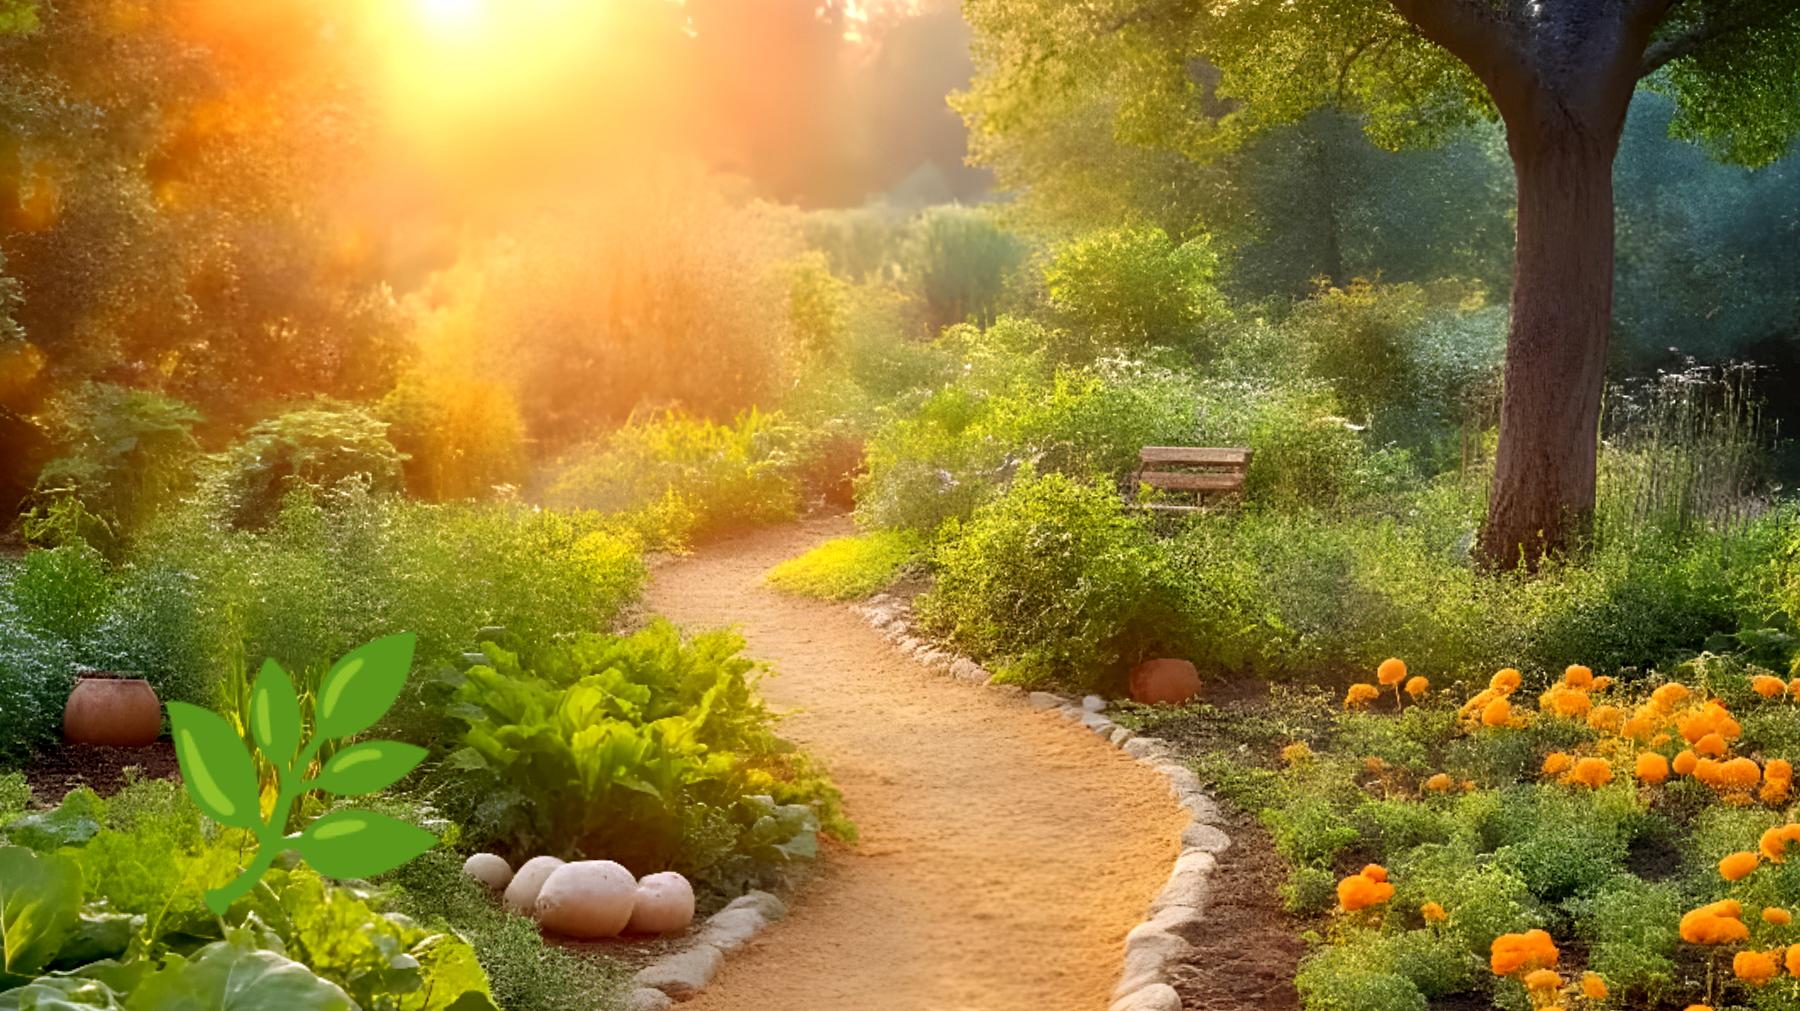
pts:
[1606, 718]
[1768, 687]
[1774, 844]
[1433, 912]
[1739, 772]
[1697, 1007]
[1440, 782]
[1506, 681]
[1713, 925]
[1557, 762]
[1778, 770]
[1738, 865]
[1685, 763]
[1669, 696]
[1497, 713]
[1578, 676]
[1594, 772]
[1565, 701]
[1374, 872]
[1543, 979]
[1710, 744]
[1296, 753]
[1775, 792]
[1359, 892]
[1794, 687]
[1373, 763]
[1359, 694]
[1602, 683]
[1593, 986]
[1391, 672]
[1754, 967]
[1777, 916]
[1643, 726]
[1417, 687]
[1530, 950]
[1652, 768]
[1468, 786]
[1793, 960]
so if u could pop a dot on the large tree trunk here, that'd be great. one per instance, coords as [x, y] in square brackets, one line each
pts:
[1542, 498]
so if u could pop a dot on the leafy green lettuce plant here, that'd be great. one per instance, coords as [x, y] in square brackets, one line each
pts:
[221, 776]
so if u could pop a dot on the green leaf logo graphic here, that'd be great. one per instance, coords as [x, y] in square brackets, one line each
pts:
[362, 686]
[275, 713]
[221, 776]
[356, 844]
[367, 767]
[217, 770]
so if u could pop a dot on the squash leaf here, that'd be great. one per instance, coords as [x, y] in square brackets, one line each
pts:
[40, 904]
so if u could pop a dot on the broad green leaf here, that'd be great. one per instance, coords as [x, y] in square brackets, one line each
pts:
[362, 686]
[95, 938]
[215, 766]
[471, 1000]
[228, 976]
[451, 971]
[73, 823]
[367, 767]
[60, 993]
[40, 903]
[275, 714]
[356, 844]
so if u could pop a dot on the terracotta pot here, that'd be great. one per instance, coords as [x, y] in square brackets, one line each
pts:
[1173, 681]
[114, 711]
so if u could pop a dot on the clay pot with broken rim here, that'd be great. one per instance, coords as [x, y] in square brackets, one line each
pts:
[112, 710]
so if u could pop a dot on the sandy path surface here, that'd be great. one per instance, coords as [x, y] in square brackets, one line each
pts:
[1005, 851]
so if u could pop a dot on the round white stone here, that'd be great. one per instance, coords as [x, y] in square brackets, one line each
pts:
[665, 904]
[522, 894]
[489, 869]
[587, 899]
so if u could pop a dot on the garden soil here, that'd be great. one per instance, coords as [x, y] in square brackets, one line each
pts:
[1004, 852]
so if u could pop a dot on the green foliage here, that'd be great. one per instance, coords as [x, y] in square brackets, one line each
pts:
[460, 437]
[962, 257]
[648, 750]
[849, 568]
[1631, 927]
[129, 454]
[1055, 582]
[316, 449]
[710, 478]
[1132, 288]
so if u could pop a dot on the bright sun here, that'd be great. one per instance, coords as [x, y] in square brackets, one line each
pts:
[450, 14]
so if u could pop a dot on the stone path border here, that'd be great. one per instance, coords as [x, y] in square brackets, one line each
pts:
[1156, 946]
[685, 973]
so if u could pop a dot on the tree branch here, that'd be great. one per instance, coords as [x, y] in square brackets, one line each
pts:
[1703, 34]
[1475, 33]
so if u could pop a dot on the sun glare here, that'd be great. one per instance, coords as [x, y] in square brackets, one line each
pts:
[450, 15]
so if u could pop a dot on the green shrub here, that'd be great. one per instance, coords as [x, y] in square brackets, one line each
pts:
[648, 750]
[1631, 928]
[1132, 288]
[725, 477]
[1054, 582]
[1356, 977]
[316, 449]
[1308, 891]
[1310, 831]
[129, 454]
[849, 568]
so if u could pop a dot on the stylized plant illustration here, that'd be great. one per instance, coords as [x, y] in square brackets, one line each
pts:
[221, 775]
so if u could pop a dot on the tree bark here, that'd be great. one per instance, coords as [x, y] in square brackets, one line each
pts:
[1542, 497]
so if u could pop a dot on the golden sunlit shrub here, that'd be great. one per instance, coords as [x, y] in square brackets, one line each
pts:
[1361, 694]
[1607, 719]
[1433, 913]
[464, 435]
[1669, 696]
[1593, 987]
[1440, 782]
[1557, 762]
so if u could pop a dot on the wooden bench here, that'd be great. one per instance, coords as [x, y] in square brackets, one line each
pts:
[1202, 470]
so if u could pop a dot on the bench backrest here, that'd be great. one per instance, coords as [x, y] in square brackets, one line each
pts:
[1215, 468]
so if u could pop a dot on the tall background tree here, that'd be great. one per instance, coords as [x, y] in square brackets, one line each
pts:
[1200, 78]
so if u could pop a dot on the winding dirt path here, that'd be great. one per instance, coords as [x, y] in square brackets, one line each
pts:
[1005, 851]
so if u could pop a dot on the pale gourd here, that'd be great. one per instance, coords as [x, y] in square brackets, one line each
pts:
[489, 869]
[587, 899]
[522, 894]
[665, 904]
